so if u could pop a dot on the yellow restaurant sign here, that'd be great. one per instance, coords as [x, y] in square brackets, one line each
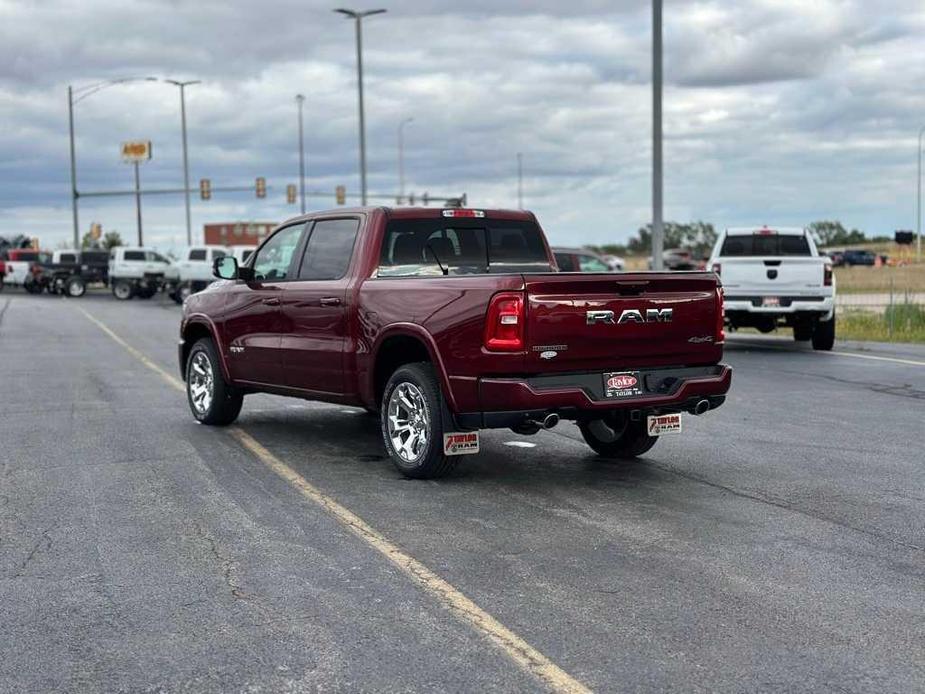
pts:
[136, 150]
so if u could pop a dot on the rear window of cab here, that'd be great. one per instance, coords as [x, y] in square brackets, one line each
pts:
[756, 245]
[427, 247]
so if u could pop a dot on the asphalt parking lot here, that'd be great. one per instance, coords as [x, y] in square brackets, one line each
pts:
[778, 545]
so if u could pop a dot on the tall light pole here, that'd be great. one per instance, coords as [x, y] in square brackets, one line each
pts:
[300, 99]
[183, 86]
[658, 230]
[73, 97]
[358, 18]
[918, 205]
[401, 158]
[520, 180]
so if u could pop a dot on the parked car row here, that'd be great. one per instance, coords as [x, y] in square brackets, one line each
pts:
[129, 271]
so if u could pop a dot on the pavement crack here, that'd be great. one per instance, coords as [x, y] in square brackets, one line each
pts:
[786, 507]
[44, 542]
[905, 390]
[228, 566]
[6, 305]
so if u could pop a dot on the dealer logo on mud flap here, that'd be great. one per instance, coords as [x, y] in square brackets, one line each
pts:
[657, 425]
[465, 443]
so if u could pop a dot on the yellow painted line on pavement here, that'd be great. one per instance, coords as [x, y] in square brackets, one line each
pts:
[854, 355]
[512, 645]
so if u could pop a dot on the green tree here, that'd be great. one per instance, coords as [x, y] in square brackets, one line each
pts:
[833, 233]
[111, 239]
[698, 236]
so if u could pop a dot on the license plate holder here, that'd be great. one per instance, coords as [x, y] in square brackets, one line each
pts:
[622, 384]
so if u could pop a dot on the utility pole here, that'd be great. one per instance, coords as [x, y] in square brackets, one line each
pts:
[183, 86]
[401, 158]
[358, 18]
[138, 202]
[520, 180]
[300, 99]
[658, 229]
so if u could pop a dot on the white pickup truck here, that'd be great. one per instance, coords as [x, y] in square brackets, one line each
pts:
[775, 277]
[193, 271]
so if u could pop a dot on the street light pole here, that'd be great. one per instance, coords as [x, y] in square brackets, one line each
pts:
[183, 86]
[83, 93]
[70, 123]
[358, 17]
[520, 180]
[658, 230]
[300, 99]
[401, 158]
[918, 206]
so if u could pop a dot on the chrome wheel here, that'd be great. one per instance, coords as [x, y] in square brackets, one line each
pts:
[122, 291]
[201, 383]
[408, 422]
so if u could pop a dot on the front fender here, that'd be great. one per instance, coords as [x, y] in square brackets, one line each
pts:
[188, 327]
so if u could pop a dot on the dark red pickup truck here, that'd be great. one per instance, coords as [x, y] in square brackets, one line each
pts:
[450, 321]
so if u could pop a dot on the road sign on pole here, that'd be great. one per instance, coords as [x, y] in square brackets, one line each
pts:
[136, 150]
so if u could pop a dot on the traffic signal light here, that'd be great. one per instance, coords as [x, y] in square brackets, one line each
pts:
[261, 187]
[205, 189]
[290, 193]
[341, 193]
[425, 199]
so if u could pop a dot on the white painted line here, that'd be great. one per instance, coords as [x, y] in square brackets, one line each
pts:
[852, 355]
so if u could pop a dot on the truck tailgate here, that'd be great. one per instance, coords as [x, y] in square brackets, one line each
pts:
[583, 322]
[771, 275]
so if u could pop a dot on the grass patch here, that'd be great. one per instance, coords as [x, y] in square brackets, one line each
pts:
[878, 280]
[899, 323]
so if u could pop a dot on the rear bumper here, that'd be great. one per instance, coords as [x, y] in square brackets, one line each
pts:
[509, 401]
[787, 304]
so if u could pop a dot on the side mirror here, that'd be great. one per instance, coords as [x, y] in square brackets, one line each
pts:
[225, 268]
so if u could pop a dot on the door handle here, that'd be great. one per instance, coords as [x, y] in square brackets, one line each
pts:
[273, 301]
[330, 301]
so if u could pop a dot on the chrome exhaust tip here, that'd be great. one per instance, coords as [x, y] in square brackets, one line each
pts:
[702, 407]
[550, 420]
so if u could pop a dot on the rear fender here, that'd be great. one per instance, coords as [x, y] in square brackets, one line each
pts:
[415, 331]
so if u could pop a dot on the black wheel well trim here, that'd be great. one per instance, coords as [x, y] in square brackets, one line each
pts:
[419, 346]
[196, 328]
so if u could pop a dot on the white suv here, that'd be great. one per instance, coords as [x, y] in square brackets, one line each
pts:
[775, 277]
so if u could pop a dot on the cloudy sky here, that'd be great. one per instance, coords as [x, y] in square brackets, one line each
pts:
[778, 111]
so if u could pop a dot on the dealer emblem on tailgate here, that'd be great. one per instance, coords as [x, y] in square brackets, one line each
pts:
[630, 315]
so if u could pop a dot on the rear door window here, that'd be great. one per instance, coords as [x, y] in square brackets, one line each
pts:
[757, 245]
[425, 247]
[197, 254]
[329, 249]
[134, 256]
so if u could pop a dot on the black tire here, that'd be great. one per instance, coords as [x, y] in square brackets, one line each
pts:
[123, 290]
[32, 287]
[824, 335]
[803, 332]
[616, 436]
[75, 287]
[226, 401]
[429, 462]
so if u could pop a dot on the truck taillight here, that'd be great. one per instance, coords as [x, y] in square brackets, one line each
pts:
[717, 267]
[504, 324]
[720, 337]
[827, 276]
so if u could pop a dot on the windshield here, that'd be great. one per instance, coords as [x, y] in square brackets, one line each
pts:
[419, 247]
[764, 245]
